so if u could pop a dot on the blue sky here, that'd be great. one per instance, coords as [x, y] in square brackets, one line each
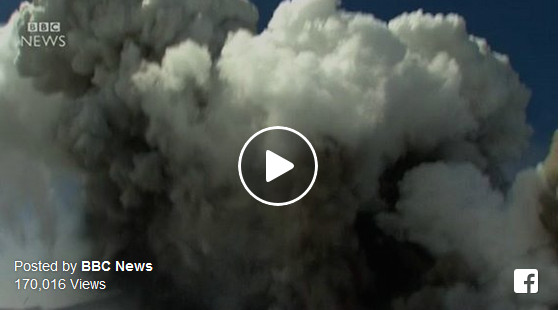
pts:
[525, 30]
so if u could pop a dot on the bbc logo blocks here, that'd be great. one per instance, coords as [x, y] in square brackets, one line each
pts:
[33, 27]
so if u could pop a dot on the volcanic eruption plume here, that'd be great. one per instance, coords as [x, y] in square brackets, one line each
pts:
[143, 113]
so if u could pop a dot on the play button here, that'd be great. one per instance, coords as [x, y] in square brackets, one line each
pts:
[278, 166]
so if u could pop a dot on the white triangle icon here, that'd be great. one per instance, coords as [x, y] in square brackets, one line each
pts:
[276, 166]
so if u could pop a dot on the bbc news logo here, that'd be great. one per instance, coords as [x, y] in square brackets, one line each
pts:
[43, 34]
[526, 281]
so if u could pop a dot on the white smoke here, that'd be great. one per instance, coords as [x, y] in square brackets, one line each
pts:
[455, 212]
[154, 99]
[40, 205]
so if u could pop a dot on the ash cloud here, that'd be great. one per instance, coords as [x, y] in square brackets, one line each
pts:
[151, 101]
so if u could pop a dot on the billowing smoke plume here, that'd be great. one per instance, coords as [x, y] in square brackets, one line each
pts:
[151, 101]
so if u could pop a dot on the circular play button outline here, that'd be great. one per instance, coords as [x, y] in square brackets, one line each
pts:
[270, 203]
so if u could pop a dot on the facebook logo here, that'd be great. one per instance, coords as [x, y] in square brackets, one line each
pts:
[526, 281]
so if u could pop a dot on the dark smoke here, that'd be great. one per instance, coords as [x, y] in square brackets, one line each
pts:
[150, 102]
